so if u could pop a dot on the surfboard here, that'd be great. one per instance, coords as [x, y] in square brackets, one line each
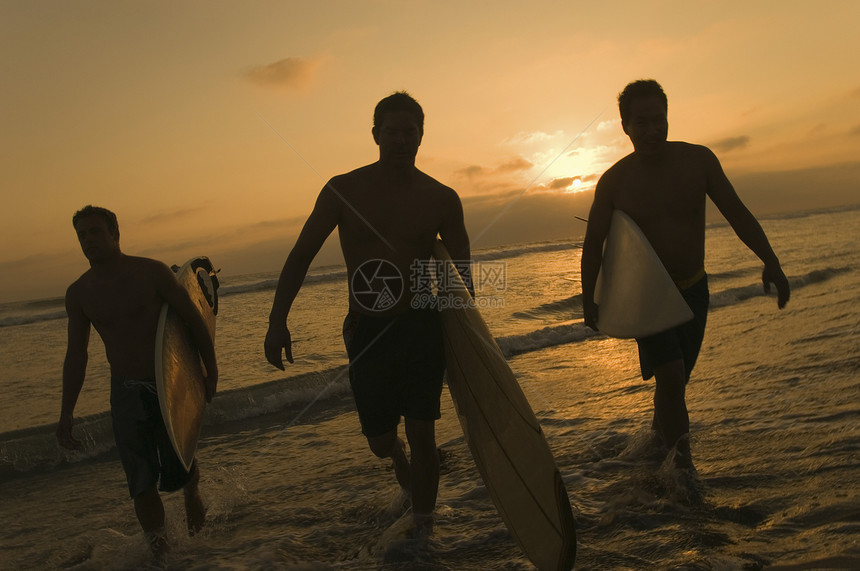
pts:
[178, 369]
[501, 429]
[634, 293]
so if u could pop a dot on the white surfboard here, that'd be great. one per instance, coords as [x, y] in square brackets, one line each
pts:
[502, 431]
[178, 370]
[634, 293]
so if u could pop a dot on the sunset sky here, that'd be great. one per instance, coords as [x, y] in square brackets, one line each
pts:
[209, 127]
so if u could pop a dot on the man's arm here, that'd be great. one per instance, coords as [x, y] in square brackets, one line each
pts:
[74, 369]
[180, 301]
[456, 239]
[599, 218]
[323, 219]
[746, 226]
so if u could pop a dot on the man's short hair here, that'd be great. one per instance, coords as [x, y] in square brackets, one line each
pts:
[639, 90]
[90, 210]
[398, 101]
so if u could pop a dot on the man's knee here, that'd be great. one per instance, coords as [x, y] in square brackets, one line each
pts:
[671, 376]
[190, 487]
[148, 495]
[383, 446]
[422, 437]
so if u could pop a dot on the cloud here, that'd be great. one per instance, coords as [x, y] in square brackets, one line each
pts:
[235, 235]
[288, 73]
[579, 182]
[470, 171]
[730, 143]
[531, 137]
[611, 124]
[167, 216]
[561, 183]
[513, 165]
[818, 129]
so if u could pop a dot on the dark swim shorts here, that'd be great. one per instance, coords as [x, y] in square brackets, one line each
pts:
[396, 366]
[144, 447]
[681, 342]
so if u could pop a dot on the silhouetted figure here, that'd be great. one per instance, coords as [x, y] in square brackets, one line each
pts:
[662, 186]
[388, 215]
[121, 296]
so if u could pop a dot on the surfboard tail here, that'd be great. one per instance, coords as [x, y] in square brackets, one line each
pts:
[567, 556]
[504, 435]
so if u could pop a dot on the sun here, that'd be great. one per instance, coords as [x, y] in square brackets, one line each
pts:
[569, 172]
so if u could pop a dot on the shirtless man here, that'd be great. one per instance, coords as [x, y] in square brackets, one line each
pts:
[662, 186]
[388, 215]
[121, 296]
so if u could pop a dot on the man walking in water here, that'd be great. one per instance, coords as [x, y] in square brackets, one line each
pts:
[388, 215]
[662, 186]
[121, 296]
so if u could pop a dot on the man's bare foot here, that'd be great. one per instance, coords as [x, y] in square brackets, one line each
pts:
[683, 458]
[157, 541]
[423, 525]
[195, 513]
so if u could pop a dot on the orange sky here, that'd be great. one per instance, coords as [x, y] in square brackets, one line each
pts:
[175, 114]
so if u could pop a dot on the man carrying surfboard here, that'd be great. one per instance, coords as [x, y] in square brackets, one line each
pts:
[388, 215]
[662, 186]
[122, 296]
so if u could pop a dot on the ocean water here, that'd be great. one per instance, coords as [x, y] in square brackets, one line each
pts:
[289, 482]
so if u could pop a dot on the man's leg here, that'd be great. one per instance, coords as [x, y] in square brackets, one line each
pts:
[195, 513]
[425, 469]
[388, 445]
[670, 407]
[150, 514]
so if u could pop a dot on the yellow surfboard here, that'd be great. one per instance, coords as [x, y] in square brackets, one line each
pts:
[502, 431]
[178, 369]
[634, 293]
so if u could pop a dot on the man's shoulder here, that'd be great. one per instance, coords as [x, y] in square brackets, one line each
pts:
[429, 184]
[152, 272]
[614, 174]
[76, 287]
[689, 151]
[134, 263]
[143, 261]
[347, 183]
[356, 176]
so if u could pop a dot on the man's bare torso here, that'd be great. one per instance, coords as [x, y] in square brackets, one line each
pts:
[666, 198]
[382, 218]
[123, 306]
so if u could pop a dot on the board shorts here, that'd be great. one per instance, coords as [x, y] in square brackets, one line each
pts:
[396, 365]
[144, 447]
[681, 342]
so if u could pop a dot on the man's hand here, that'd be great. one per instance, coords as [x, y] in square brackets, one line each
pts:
[64, 434]
[774, 275]
[590, 310]
[277, 342]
